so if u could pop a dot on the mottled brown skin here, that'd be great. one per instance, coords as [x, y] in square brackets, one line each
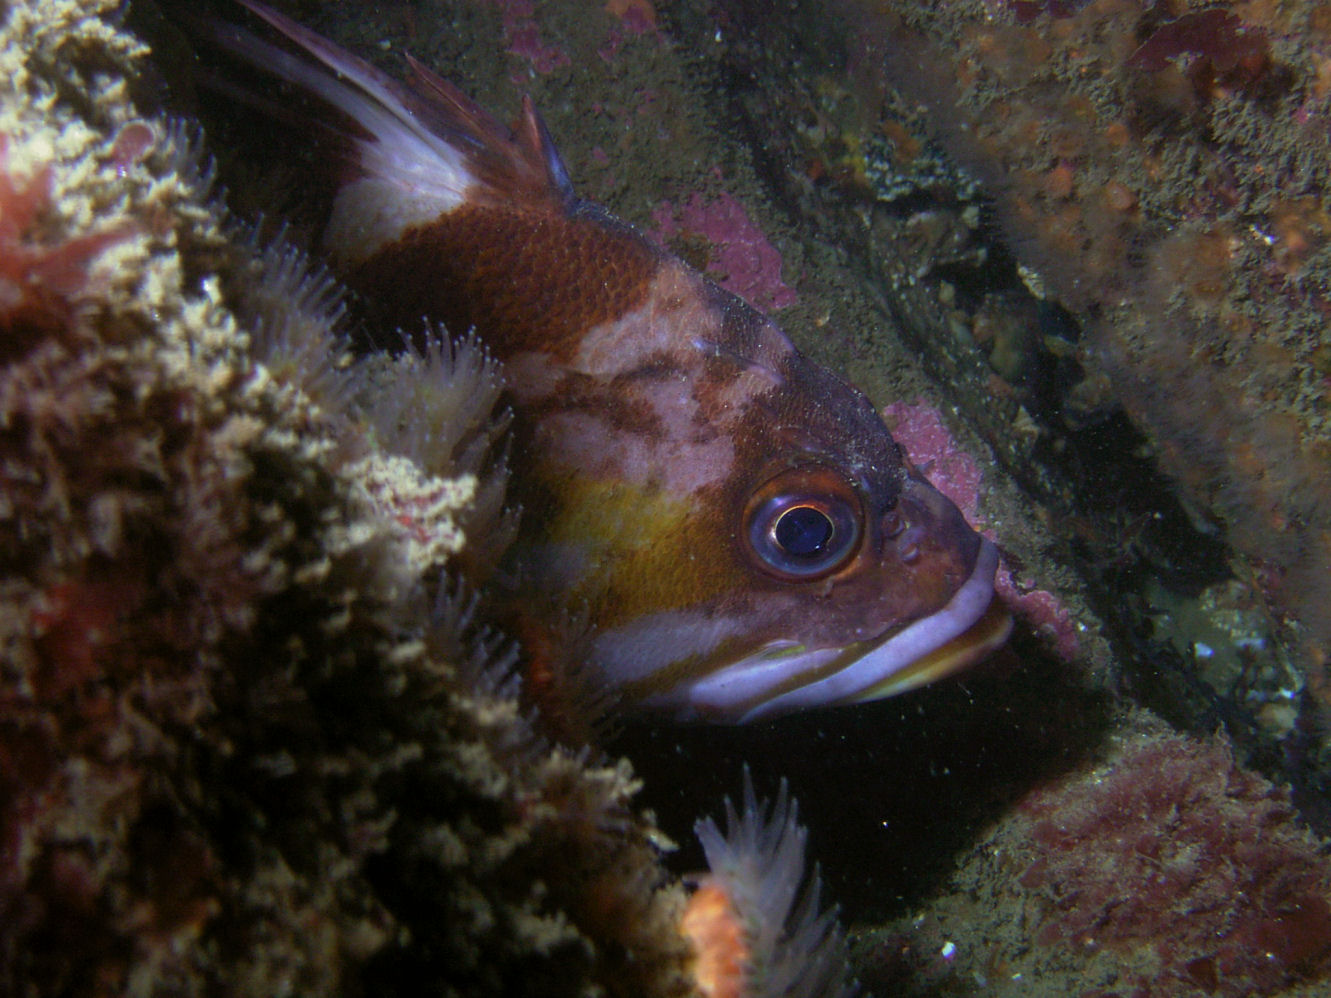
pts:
[533, 279]
[664, 427]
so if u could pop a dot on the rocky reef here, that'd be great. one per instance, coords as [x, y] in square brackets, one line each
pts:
[1161, 869]
[1158, 173]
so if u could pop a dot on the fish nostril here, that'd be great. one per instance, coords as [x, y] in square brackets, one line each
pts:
[908, 546]
[893, 524]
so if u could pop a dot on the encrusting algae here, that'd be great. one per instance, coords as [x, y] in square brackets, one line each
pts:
[251, 740]
[1158, 170]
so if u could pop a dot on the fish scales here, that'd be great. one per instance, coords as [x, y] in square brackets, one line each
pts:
[714, 527]
[535, 279]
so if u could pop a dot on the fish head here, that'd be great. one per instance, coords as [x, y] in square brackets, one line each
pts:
[743, 537]
[856, 593]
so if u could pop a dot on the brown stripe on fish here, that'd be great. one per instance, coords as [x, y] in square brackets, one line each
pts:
[614, 402]
[526, 280]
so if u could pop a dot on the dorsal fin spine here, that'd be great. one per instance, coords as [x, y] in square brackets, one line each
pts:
[537, 137]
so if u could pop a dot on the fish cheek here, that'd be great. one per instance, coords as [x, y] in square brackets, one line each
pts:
[634, 549]
[686, 561]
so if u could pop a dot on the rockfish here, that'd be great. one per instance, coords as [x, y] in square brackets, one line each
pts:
[713, 526]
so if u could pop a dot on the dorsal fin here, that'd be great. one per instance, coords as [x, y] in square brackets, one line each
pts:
[537, 138]
[425, 133]
[530, 144]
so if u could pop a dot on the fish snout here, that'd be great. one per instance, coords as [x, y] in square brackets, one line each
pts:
[926, 525]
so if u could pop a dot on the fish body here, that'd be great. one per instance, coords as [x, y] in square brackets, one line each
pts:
[713, 526]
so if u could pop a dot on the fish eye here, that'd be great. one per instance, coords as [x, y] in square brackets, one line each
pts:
[803, 531]
[803, 524]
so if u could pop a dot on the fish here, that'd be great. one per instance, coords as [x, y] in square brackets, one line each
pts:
[714, 528]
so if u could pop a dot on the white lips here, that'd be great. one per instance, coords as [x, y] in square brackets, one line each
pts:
[758, 687]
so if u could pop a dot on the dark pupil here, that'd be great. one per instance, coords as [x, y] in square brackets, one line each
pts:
[803, 531]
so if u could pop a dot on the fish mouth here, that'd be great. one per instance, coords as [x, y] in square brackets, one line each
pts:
[774, 682]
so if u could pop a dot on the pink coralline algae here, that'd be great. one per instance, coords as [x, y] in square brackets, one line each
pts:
[953, 471]
[633, 19]
[41, 282]
[920, 430]
[638, 17]
[522, 36]
[741, 259]
[1190, 871]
